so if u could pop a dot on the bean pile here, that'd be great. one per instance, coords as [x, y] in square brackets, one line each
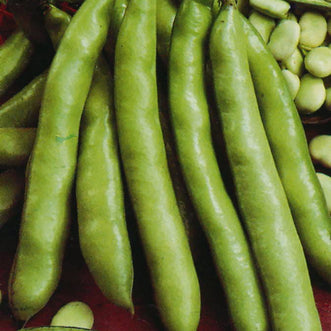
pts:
[299, 39]
[92, 120]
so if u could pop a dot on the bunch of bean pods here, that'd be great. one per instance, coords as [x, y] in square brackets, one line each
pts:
[91, 122]
[299, 39]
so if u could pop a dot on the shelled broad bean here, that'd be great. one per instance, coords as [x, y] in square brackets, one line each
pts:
[299, 39]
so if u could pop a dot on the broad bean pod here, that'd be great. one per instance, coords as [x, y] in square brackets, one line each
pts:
[291, 155]
[161, 229]
[103, 236]
[15, 146]
[261, 197]
[15, 55]
[191, 125]
[46, 212]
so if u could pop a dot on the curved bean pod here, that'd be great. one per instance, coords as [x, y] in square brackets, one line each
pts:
[161, 229]
[291, 155]
[15, 146]
[15, 55]
[46, 212]
[22, 110]
[165, 16]
[191, 125]
[261, 198]
[103, 236]
[117, 14]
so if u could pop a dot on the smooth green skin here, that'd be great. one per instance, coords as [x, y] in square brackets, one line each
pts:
[291, 155]
[293, 82]
[161, 229]
[325, 181]
[74, 314]
[117, 14]
[15, 55]
[284, 39]
[15, 146]
[56, 22]
[263, 24]
[261, 198]
[46, 213]
[294, 63]
[22, 110]
[165, 17]
[11, 194]
[103, 235]
[186, 209]
[191, 125]
[272, 8]
[320, 150]
[101, 217]
[311, 94]
[313, 29]
[318, 61]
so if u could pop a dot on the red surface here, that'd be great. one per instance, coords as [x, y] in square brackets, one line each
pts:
[77, 284]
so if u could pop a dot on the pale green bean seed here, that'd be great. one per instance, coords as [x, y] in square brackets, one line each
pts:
[328, 98]
[284, 39]
[293, 82]
[294, 63]
[311, 95]
[74, 314]
[320, 150]
[313, 30]
[318, 61]
[325, 182]
[263, 24]
[272, 8]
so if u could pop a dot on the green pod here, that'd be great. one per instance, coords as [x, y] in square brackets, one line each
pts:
[261, 199]
[165, 16]
[103, 235]
[161, 229]
[11, 194]
[46, 212]
[15, 55]
[291, 155]
[191, 125]
[186, 209]
[15, 146]
[117, 14]
[56, 23]
[22, 110]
